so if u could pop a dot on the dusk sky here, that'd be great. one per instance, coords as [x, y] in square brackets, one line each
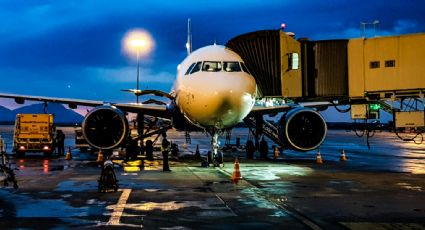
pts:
[73, 48]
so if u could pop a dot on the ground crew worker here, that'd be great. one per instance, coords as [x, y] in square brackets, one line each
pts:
[60, 142]
[165, 149]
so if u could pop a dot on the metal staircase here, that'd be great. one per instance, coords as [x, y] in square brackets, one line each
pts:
[411, 104]
[269, 129]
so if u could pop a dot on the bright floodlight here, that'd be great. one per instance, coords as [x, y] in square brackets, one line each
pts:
[137, 42]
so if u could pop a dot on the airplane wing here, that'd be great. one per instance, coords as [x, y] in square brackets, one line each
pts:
[147, 109]
[20, 99]
[263, 109]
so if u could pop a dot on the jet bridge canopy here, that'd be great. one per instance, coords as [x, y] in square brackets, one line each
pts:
[346, 70]
[285, 67]
[267, 54]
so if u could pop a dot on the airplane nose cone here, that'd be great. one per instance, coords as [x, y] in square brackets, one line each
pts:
[231, 107]
[220, 102]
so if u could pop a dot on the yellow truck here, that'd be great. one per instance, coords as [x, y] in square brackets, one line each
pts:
[33, 133]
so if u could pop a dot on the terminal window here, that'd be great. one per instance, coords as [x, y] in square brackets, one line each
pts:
[374, 64]
[390, 63]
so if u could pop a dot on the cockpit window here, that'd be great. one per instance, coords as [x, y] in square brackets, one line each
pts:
[244, 68]
[196, 68]
[190, 68]
[216, 66]
[231, 67]
[211, 66]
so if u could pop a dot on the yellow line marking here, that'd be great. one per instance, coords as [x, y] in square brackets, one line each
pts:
[119, 208]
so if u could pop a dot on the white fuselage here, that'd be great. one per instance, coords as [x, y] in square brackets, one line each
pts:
[214, 97]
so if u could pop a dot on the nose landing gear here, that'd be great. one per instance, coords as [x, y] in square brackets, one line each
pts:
[216, 157]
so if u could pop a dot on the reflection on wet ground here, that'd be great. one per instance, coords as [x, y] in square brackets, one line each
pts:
[293, 192]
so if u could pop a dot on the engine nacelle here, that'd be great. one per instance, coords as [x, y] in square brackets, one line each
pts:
[302, 129]
[105, 127]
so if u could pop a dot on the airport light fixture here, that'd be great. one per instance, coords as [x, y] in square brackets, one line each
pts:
[363, 27]
[137, 44]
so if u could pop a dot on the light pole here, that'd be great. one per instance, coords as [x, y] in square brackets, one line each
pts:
[363, 27]
[138, 82]
[137, 43]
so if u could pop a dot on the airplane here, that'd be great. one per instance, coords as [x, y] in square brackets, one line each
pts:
[213, 91]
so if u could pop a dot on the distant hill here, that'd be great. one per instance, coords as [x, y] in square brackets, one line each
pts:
[62, 114]
[6, 114]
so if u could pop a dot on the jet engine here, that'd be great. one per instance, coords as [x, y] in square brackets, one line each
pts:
[302, 129]
[105, 127]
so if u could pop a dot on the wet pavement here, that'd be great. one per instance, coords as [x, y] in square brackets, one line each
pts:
[380, 188]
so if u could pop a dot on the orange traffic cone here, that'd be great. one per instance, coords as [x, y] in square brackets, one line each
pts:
[100, 156]
[236, 175]
[319, 158]
[68, 154]
[276, 153]
[343, 157]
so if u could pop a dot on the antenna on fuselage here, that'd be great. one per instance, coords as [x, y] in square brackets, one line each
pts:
[189, 37]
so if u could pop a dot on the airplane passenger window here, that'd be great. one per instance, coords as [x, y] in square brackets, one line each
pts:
[211, 66]
[244, 68]
[231, 67]
[190, 68]
[196, 68]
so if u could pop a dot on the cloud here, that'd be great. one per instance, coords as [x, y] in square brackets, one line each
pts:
[129, 75]
[403, 26]
[50, 45]
[94, 83]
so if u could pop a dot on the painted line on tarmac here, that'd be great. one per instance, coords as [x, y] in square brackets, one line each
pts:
[225, 204]
[291, 211]
[218, 197]
[119, 208]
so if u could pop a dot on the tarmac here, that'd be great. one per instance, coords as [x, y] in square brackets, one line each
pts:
[380, 188]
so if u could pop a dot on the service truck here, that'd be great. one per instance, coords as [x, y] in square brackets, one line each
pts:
[33, 133]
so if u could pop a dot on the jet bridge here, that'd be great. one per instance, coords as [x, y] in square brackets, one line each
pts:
[296, 69]
[354, 69]
[364, 71]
